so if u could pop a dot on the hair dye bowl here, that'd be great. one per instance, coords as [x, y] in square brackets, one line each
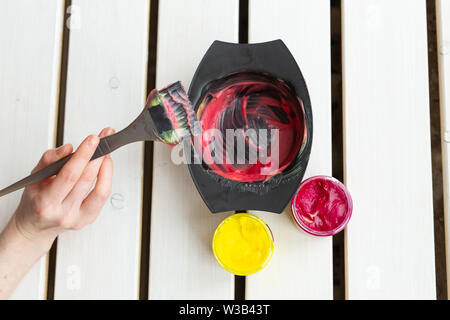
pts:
[243, 244]
[253, 126]
[322, 206]
[242, 88]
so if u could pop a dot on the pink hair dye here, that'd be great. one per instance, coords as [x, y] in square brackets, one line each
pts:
[322, 206]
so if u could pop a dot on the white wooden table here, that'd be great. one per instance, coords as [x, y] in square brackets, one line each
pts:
[389, 243]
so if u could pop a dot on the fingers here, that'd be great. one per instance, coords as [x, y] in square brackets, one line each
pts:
[87, 178]
[92, 205]
[53, 155]
[68, 176]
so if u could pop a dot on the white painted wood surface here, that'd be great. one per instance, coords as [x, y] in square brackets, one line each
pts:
[106, 86]
[301, 266]
[389, 240]
[30, 38]
[443, 30]
[182, 265]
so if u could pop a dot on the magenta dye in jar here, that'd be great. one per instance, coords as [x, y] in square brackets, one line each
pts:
[322, 206]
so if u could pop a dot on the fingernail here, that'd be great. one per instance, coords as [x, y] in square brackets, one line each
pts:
[93, 140]
[102, 133]
[60, 149]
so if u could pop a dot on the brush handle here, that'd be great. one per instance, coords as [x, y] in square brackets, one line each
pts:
[105, 146]
[150, 125]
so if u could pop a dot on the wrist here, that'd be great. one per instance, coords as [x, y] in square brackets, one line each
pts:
[40, 240]
[18, 254]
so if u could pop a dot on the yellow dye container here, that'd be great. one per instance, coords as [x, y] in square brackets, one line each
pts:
[243, 244]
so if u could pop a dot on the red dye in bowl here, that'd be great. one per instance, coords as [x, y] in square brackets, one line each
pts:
[322, 206]
[247, 105]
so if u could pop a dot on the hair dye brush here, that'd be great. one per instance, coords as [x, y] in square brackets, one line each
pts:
[168, 117]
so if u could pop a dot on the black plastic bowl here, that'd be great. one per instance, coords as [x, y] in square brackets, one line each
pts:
[273, 60]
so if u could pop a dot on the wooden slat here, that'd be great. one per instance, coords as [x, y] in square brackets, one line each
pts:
[182, 264]
[389, 241]
[301, 267]
[30, 38]
[106, 86]
[443, 29]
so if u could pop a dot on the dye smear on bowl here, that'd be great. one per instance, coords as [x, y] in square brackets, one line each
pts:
[243, 244]
[322, 206]
[250, 102]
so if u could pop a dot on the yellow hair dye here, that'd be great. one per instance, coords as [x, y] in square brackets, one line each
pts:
[243, 244]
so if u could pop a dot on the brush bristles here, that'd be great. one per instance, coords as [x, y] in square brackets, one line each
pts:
[179, 111]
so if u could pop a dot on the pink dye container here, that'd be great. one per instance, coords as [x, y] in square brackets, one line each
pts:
[322, 206]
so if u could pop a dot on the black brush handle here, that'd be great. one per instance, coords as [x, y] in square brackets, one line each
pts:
[105, 146]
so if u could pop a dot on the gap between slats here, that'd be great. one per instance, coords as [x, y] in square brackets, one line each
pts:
[59, 133]
[337, 141]
[239, 281]
[148, 158]
[436, 154]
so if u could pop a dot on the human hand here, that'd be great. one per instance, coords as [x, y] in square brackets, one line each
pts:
[63, 202]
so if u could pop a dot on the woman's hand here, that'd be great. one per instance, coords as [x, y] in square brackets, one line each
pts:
[63, 202]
